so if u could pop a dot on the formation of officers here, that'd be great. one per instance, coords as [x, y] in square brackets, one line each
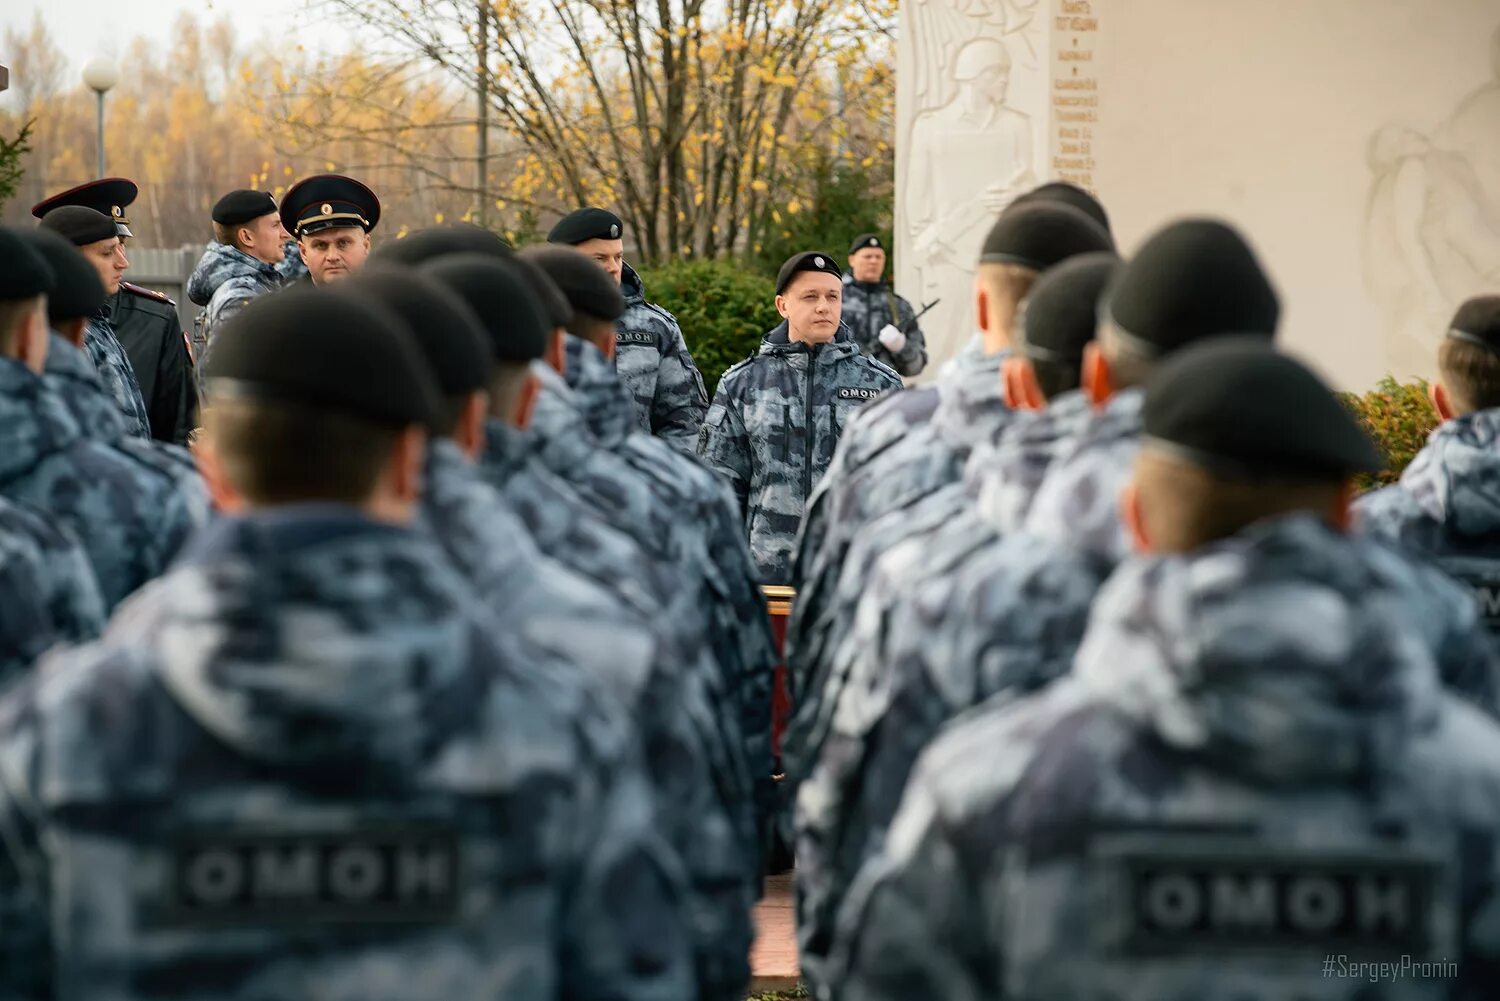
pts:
[438, 667]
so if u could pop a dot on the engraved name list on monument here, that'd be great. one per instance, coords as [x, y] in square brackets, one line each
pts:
[1075, 91]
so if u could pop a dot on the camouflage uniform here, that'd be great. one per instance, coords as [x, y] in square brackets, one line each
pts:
[740, 629]
[146, 324]
[867, 309]
[657, 368]
[1446, 506]
[1250, 725]
[48, 594]
[225, 279]
[115, 371]
[773, 428]
[302, 765]
[132, 519]
[574, 626]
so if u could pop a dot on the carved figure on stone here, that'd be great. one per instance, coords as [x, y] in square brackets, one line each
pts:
[1432, 223]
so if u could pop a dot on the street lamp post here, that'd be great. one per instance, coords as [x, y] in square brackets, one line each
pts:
[101, 74]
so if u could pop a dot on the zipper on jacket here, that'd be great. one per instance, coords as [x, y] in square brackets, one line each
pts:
[808, 423]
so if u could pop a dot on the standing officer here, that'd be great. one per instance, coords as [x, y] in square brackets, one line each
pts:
[777, 416]
[244, 260]
[143, 320]
[331, 216]
[653, 358]
[884, 324]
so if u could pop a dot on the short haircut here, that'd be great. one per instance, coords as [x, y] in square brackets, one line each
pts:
[228, 235]
[12, 313]
[1056, 377]
[277, 452]
[1008, 284]
[506, 383]
[1129, 364]
[1471, 374]
[451, 410]
[1185, 506]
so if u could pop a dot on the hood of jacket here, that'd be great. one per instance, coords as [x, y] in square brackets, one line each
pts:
[1004, 477]
[1288, 653]
[869, 288]
[1455, 479]
[311, 633]
[631, 286]
[72, 376]
[35, 422]
[972, 409]
[605, 404]
[221, 262]
[778, 341]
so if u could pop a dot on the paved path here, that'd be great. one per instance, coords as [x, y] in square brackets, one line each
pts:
[773, 959]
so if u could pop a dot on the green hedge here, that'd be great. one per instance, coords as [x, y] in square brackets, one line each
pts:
[1399, 417]
[724, 309]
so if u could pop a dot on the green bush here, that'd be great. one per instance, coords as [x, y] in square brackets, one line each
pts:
[724, 309]
[1399, 417]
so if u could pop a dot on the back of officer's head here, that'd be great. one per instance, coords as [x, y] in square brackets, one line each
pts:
[451, 339]
[593, 296]
[1469, 359]
[25, 280]
[317, 394]
[1058, 321]
[1233, 433]
[1025, 241]
[1192, 280]
[77, 293]
[512, 315]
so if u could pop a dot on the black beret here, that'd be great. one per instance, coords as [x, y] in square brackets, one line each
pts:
[865, 241]
[559, 310]
[587, 224]
[79, 225]
[811, 260]
[1238, 408]
[328, 348]
[501, 297]
[24, 272]
[109, 196]
[588, 287]
[455, 238]
[77, 293]
[328, 201]
[1062, 192]
[1041, 234]
[1195, 278]
[242, 206]
[1061, 313]
[1478, 322]
[451, 337]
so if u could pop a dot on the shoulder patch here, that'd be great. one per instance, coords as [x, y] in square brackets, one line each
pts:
[635, 337]
[858, 393]
[147, 293]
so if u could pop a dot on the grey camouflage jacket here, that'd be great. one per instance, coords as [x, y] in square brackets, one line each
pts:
[1244, 728]
[657, 368]
[131, 517]
[48, 594]
[574, 627]
[773, 427]
[223, 282]
[301, 765]
[867, 309]
[113, 365]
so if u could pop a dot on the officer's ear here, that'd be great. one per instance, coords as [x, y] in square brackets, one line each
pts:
[1131, 517]
[1341, 508]
[982, 305]
[556, 356]
[468, 432]
[403, 474]
[531, 391]
[1437, 394]
[1098, 380]
[1019, 381]
[29, 343]
[781, 306]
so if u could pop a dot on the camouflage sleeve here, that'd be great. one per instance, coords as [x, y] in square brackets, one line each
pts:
[25, 929]
[912, 358]
[724, 445]
[678, 407]
[912, 926]
[624, 927]
[186, 512]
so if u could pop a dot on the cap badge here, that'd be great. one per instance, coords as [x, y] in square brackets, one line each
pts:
[614, 231]
[874, 242]
[818, 262]
[326, 209]
[116, 210]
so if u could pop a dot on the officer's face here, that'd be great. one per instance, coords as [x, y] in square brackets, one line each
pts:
[608, 254]
[333, 254]
[108, 258]
[267, 238]
[812, 304]
[868, 264]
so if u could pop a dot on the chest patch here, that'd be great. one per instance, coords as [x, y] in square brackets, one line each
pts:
[386, 875]
[635, 337]
[1191, 898]
[856, 393]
